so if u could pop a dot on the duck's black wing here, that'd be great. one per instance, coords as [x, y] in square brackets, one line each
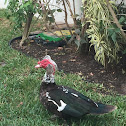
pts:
[70, 102]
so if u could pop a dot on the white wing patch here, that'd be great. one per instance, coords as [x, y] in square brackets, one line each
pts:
[67, 91]
[63, 105]
[47, 95]
[64, 89]
[74, 94]
[94, 103]
[59, 108]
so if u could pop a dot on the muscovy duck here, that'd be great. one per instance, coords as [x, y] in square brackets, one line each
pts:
[63, 101]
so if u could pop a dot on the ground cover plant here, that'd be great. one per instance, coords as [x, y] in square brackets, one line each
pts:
[19, 90]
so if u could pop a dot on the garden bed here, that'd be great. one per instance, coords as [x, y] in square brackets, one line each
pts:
[70, 61]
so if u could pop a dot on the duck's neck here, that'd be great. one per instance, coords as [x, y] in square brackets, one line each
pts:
[48, 78]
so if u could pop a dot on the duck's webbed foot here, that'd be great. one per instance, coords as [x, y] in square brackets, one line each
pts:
[54, 117]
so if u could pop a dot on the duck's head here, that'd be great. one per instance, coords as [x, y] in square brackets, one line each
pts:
[45, 62]
[50, 66]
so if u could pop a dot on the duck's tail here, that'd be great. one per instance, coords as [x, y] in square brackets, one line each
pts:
[102, 109]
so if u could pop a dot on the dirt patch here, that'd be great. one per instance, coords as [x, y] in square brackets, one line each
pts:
[71, 62]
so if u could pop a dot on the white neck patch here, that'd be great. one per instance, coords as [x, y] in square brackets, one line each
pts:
[48, 78]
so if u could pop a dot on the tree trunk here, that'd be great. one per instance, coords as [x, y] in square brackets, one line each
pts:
[26, 29]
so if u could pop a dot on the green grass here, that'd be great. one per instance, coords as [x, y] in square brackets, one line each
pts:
[19, 90]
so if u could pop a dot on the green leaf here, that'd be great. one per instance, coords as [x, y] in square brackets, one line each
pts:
[121, 19]
[114, 37]
[83, 41]
[74, 16]
[51, 19]
[25, 5]
[37, 4]
[59, 10]
[117, 30]
[52, 11]
[110, 31]
[124, 51]
[21, 7]
[23, 1]
[5, 2]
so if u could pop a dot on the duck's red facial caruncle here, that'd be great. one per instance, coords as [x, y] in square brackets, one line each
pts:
[45, 62]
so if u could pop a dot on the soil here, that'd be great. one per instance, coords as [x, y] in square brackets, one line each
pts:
[69, 61]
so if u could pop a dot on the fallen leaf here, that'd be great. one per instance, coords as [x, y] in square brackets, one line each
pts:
[0, 118]
[21, 103]
[63, 62]
[23, 47]
[102, 71]
[31, 41]
[91, 74]
[123, 71]
[56, 54]
[60, 48]
[38, 25]
[73, 60]
[80, 73]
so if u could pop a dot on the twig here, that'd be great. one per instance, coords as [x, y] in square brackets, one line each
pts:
[122, 14]
[74, 7]
[46, 52]
[66, 17]
[72, 15]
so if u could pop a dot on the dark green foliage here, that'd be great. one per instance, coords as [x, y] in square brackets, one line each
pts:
[19, 11]
[113, 33]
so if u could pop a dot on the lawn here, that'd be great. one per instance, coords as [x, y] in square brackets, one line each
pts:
[19, 90]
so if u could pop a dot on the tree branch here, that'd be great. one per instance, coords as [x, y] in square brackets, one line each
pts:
[72, 15]
[74, 7]
[66, 18]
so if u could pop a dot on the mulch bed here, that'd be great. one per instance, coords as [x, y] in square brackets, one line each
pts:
[71, 62]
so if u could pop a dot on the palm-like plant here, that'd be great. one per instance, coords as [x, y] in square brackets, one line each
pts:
[99, 31]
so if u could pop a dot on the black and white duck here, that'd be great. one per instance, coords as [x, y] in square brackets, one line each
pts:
[64, 101]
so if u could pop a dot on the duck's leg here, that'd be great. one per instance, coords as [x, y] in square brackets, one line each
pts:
[67, 122]
[54, 117]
